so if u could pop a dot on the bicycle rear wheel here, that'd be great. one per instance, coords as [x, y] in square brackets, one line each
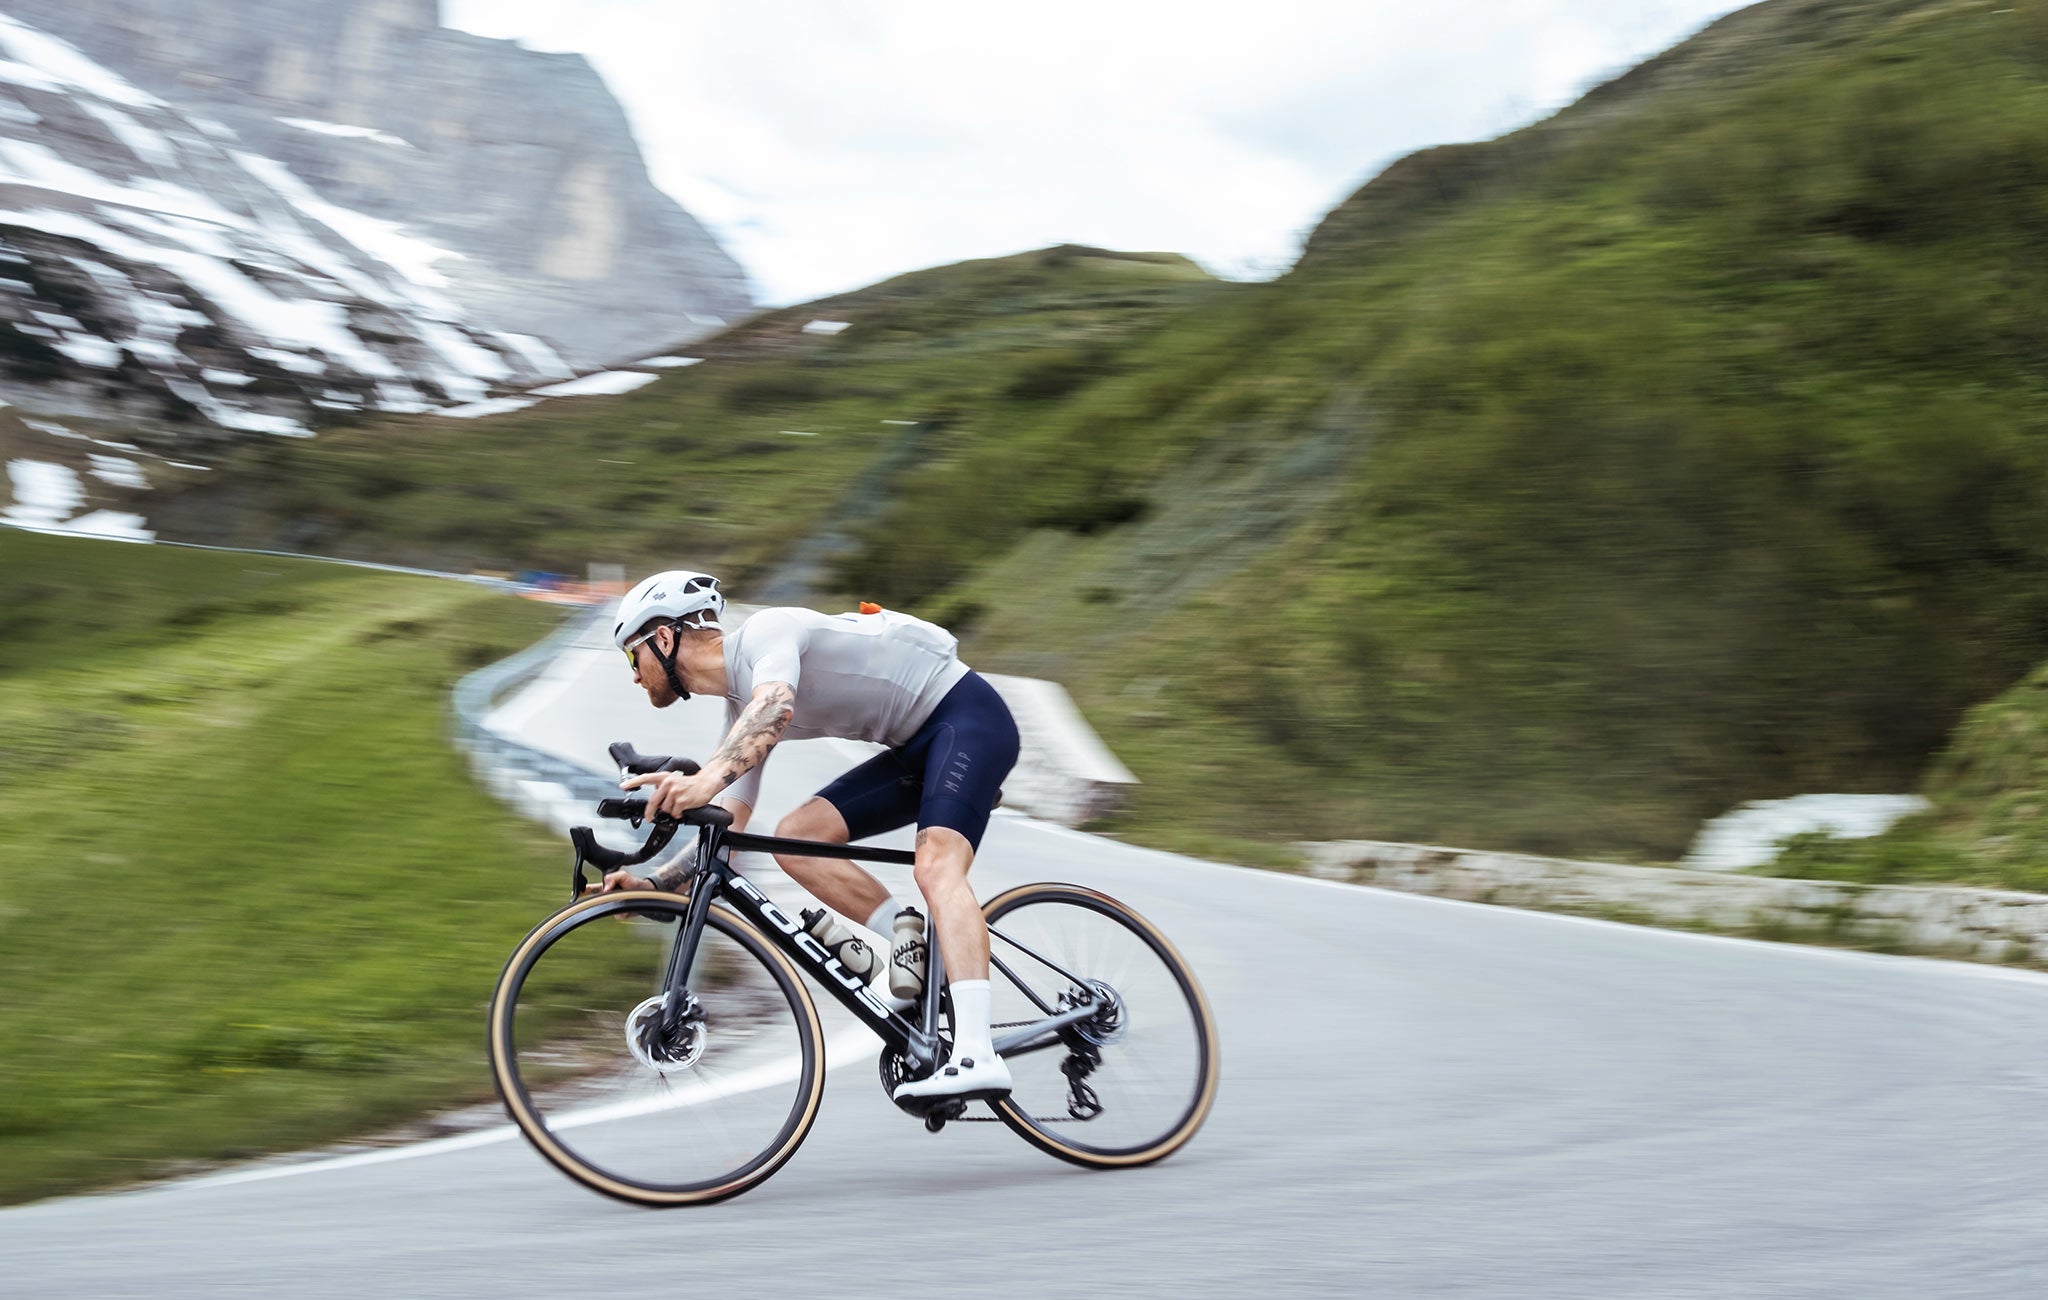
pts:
[634, 1109]
[1132, 1082]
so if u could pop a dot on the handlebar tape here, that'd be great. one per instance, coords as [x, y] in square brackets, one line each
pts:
[636, 810]
[597, 855]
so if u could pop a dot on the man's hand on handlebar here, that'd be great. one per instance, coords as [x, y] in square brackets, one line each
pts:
[618, 880]
[675, 793]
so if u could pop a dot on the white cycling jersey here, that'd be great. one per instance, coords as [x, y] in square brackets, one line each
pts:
[857, 676]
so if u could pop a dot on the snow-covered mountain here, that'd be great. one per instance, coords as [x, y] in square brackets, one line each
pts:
[153, 267]
[520, 161]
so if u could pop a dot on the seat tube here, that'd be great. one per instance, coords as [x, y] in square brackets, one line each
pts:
[934, 981]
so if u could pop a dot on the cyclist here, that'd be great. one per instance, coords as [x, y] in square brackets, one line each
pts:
[876, 675]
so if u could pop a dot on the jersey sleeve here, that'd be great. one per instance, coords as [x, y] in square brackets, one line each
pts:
[772, 648]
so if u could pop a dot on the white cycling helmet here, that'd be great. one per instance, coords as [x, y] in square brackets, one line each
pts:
[691, 599]
[678, 596]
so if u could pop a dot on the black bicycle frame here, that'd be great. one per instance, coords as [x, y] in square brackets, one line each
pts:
[918, 1043]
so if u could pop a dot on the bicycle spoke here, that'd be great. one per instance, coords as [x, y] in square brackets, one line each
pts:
[627, 1102]
[1132, 1078]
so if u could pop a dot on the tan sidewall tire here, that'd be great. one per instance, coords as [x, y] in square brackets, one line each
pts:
[1021, 1125]
[536, 1132]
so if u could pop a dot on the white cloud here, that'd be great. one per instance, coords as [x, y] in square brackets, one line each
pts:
[831, 144]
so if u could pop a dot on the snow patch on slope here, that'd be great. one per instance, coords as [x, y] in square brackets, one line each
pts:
[148, 145]
[599, 383]
[352, 132]
[45, 493]
[117, 470]
[114, 524]
[490, 406]
[56, 62]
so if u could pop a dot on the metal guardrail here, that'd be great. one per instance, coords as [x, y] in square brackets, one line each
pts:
[478, 579]
[1064, 772]
[509, 767]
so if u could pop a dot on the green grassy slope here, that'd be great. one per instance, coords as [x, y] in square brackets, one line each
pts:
[726, 462]
[1694, 450]
[250, 897]
[1689, 447]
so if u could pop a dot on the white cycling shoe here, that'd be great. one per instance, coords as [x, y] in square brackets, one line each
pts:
[972, 1078]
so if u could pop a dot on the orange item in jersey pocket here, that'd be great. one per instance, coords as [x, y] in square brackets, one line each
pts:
[870, 607]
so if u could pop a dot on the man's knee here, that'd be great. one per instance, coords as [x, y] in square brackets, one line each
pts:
[943, 856]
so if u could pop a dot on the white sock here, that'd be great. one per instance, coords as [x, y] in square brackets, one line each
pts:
[970, 1020]
[883, 921]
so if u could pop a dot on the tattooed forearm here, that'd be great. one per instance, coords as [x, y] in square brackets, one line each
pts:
[746, 746]
[671, 875]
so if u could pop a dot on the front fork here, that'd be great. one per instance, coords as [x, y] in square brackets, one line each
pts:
[676, 1001]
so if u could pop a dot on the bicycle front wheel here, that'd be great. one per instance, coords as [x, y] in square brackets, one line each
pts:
[1131, 1081]
[653, 1109]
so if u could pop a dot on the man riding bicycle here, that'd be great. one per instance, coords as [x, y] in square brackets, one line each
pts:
[878, 676]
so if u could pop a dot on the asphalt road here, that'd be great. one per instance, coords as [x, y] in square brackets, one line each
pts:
[1419, 1098]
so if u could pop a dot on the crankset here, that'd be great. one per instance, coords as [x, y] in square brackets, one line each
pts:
[936, 1112]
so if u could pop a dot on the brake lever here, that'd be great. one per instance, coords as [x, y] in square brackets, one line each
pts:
[581, 837]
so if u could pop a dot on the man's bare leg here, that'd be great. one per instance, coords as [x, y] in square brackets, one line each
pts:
[838, 883]
[943, 857]
[973, 1069]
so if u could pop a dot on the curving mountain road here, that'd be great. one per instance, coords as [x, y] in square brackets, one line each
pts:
[1419, 1098]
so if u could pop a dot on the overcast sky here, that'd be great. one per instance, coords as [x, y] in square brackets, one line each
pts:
[832, 143]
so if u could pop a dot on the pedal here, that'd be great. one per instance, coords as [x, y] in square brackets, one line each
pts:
[942, 1112]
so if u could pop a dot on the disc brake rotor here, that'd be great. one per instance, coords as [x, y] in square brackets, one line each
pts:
[663, 1050]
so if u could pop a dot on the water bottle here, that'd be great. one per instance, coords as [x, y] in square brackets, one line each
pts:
[906, 958]
[853, 953]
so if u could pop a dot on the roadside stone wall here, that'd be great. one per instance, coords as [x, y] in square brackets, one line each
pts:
[1974, 924]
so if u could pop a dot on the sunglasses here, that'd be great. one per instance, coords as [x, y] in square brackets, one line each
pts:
[633, 646]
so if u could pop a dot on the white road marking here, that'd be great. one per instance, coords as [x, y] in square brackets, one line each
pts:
[850, 1047]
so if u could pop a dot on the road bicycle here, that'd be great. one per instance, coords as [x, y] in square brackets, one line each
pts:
[663, 1048]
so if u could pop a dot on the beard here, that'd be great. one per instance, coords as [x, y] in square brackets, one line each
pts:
[659, 693]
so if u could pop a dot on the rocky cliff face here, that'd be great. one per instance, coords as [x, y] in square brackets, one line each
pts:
[519, 162]
[156, 270]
